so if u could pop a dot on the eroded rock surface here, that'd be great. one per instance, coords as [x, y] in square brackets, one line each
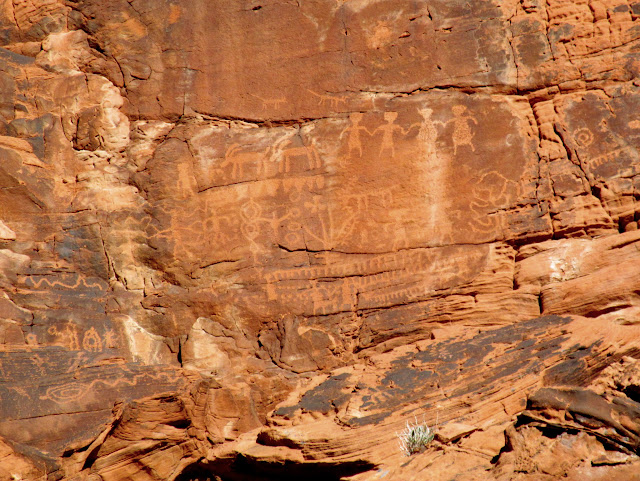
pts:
[253, 239]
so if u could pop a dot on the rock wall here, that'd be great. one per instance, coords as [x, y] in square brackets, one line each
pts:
[252, 240]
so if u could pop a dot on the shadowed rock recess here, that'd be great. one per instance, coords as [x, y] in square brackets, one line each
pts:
[251, 240]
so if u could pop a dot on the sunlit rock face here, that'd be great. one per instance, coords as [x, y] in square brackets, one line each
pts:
[251, 240]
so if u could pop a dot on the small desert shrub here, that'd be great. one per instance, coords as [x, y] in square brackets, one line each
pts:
[414, 437]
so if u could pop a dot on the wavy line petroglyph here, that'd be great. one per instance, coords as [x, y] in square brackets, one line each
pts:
[61, 282]
[73, 391]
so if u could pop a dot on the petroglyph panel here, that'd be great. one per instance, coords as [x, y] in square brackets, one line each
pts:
[224, 156]
[334, 284]
[247, 216]
[46, 382]
[290, 187]
[603, 131]
[416, 173]
[410, 175]
[64, 381]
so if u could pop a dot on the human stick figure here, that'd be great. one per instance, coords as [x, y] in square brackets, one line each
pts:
[388, 129]
[354, 141]
[427, 134]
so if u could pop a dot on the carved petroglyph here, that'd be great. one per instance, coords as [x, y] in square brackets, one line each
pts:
[427, 134]
[185, 180]
[253, 220]
[583, 137]
[377, 281]
[40, 363]
[181, 231]
[375, 265]
[333, 101]
[433, 171]
[111, 339]
[333, 225]
[63, 281]
[78, 360]
[399, 295]
[238, 159]
[185, 224]
[66, 393]
[613, 156]
[386, 133]
[351, 276]
[268, 104]
[69, 338]
[491, 191]
[362, 200]
[388, 129]
[74, 391]
[333, 298]
[354, 139]
[297, 186]
[20, 391]
[285, 155]
[92, 341]
[462, 134]
[347, 274]
[284, 152]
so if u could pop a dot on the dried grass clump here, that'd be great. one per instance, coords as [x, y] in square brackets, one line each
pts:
[414, 438]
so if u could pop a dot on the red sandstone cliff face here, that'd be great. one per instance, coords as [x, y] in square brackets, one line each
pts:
[252, 239]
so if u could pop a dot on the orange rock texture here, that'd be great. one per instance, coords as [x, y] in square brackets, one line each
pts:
[252, 240]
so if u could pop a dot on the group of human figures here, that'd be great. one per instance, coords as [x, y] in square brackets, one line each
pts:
[462, 132]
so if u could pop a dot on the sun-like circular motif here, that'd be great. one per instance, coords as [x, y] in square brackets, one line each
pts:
[293, 238]
[584, 137]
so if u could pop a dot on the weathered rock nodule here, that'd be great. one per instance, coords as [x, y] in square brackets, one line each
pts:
[253, 241]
